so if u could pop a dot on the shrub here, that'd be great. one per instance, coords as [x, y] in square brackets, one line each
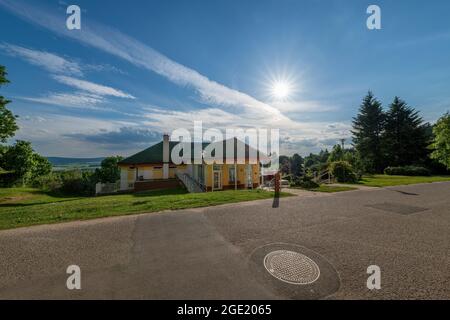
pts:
[73, 182]
[305, 182]
[78, 183]
[343, 171]
[109, 170]
[407, 171]
[49, 182]
[9, 179]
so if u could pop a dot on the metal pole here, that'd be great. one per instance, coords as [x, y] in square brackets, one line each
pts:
[235, 175]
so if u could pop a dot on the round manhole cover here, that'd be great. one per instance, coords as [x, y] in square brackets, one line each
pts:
[291, 267]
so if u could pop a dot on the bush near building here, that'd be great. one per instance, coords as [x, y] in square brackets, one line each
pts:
[304, 182]
[343, 171]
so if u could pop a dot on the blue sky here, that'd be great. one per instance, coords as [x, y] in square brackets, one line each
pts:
[137, 69]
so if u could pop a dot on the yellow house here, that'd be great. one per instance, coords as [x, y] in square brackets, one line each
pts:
[153, 168]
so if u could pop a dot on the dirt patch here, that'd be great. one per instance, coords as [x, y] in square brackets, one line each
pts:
[14, 199]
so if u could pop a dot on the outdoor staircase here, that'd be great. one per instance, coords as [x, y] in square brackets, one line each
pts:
[191, 185]
[324, 176]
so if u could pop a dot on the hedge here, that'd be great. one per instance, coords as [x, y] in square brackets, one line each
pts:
[407, 171]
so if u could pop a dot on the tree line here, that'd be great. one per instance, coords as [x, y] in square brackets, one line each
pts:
[395, 140]
[21, 165]
[396, 137]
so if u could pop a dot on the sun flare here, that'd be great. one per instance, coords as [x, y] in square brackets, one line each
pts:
[281, 90]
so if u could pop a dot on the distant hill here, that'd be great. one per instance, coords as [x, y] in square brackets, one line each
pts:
[62, 163]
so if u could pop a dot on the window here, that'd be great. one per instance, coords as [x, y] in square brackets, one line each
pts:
[231, 174]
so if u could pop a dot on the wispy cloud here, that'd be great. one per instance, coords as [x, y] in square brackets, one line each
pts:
[49, 61]
[91, 94]
[304, 106]
[103, 68]
[91, 87]
[141, 55]
[55, 63]
[77, 100]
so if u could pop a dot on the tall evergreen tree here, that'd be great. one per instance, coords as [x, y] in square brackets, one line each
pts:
[367, 129]
[337, 154]
[296, 165]
[285, 166]
[405, 138]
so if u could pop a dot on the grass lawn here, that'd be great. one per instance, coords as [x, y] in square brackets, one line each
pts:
[326, 188]
[21, 207]
[381, 180]
[330, 189]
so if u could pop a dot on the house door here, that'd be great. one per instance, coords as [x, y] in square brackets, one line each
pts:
[217, 180]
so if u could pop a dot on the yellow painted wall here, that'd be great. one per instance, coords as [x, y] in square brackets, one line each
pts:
[157, 172]
[208, 175]
[256, 177]
[172, 172]
[131, 175]
[241, 174]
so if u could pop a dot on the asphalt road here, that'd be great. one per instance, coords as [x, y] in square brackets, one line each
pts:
[217, 252]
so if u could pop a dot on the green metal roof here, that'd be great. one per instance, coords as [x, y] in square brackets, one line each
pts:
[154, 154]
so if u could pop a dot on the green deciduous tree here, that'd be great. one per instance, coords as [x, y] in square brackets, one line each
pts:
[291, 165]
[41, 166]
[343, 171]
[285, 165]
[405, 138]
[8, 124]
[19, 159]
[296, 165]
[337, 154]
[109, 170]
[367, 129]
[441, 142]
[25, 164]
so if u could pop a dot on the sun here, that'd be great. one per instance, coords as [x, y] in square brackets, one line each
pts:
[280, 86]
[281, 89]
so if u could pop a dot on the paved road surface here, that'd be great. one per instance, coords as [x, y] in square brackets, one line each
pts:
[215, 252]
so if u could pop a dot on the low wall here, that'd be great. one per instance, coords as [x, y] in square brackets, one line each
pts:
[107, 188]
[156, 184]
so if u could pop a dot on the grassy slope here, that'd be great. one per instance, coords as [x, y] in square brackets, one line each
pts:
[24, 206]
[381, 180]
